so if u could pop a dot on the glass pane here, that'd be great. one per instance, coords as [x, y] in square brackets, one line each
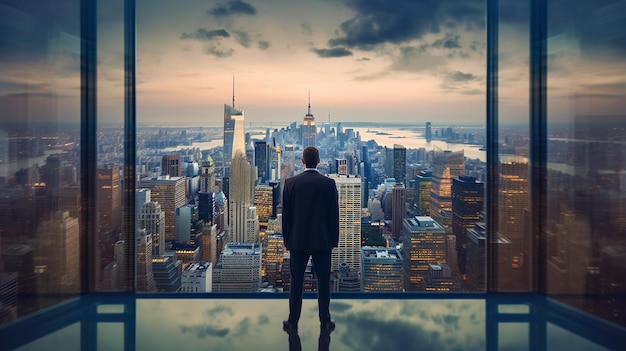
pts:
[513, 264]
[513, 336]
[40, 63]
[305, 75]
[586, 200]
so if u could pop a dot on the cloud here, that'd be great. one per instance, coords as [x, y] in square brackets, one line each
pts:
[263, 319]
[203, 330]
[215, 51]
[206, 35]
[217, 310]
[416, 59]
[242, 38]
[306, 29]
[458, 76]
[337, 306]
[397, 22]
[263, 45]
[450, 41]
[234, 7]
[242, 328]
[332, 52]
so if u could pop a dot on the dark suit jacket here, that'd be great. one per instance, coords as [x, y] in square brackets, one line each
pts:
[310, 212]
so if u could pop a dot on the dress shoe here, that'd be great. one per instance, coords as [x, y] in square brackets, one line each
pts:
[288, 326]
[327, 326]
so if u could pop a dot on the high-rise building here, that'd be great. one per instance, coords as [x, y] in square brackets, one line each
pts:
[398, 210]
[57, 250]
[399, 163]
[349, 249]
[429, 132]
[186, 218]
[207, 175]
[341, 166]
[233, 119]
[206, 206]
[262, 161]
[272, 257]
[264, 202]
[19, 258]
[207, 242]
[381, 269]
[167, 271]
[424, 242]
[197, 278]
[252, 225]
[439, 279]
[238, 268]
[171, 165]
[151, 218]
[467, 206]
[447, 165]
[423, 185]
[308, 128]
[169, 192]
[109, 197]
[241, 196]
[144, 275]
[475, 260]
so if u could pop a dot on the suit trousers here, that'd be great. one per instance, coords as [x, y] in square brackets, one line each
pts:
[321, 266]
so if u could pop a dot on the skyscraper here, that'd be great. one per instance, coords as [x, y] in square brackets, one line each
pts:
[262, 160]
[467, 205]
[264, 202]
[381, 269]
[169, 192]
[446, 166]
[57, 250]
[398, 210]
[424, 242]
[171, 165]
[399, 163]
[341, 166]
[144, 274]
[308, 128]
[349, 249]
[233, 130]
[207, 175]
[109, 197]
[238, 268]
[241, 196]
[423, 186]
[151, 218]
[429, 132]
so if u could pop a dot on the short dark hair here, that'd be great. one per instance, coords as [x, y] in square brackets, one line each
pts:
[310, 155]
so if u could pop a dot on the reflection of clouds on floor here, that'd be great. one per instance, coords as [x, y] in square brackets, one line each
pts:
[238, 324]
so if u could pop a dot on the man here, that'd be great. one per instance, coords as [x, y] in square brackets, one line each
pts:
[310, 229]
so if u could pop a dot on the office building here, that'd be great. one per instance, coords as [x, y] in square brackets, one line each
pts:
[429, 132]
[238, 268]
[467, 207]
[109, 198]
[243, 176]
[152, 219]
[398, 210]
[207, 175]
[234, 137]
[252, 225]
[169, 192]
[171, 165]
[186, 219]
[439, 279]
[206, 206]
[341, 166]
[262, 161]
[424, 242]
[399, 163]
[308, 128]
[349, 249]
[145, 277]
[197, 278]
[382, 269]
[423, 186]
[264, 203]
[167, 270]
[273, 253]
[447, 165]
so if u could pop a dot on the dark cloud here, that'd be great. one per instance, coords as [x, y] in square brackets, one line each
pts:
[203, 330]
[450, 41]
[234, 7]
[337, 306]
[416, 59]
[242, 328]
[306, 29]
[217, 310]
[218, 53]
[364, 59]
[458, 76]
[243, 38]
[206, 35]
[263, 319]
[263, 45]
[332, 52]
[380, 22]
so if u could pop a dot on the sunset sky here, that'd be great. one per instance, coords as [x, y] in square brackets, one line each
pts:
[402, 61]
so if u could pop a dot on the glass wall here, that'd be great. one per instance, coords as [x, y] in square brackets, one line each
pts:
[585, 224]
[41, 230]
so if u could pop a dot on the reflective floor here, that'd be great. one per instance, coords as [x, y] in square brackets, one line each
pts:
[422, 322]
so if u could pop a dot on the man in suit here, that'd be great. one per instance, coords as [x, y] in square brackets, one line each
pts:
[310, 229]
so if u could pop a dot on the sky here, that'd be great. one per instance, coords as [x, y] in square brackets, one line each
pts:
[402, 61]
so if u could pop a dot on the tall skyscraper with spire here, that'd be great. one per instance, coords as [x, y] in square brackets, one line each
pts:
[234, 137]
[242, 177]
[308, 128]
[447, 165]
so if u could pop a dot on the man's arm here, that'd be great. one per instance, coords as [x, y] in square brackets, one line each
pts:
[287, 217]
[333, 216]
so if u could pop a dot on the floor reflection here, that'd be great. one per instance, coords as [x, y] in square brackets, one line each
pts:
[155, 323]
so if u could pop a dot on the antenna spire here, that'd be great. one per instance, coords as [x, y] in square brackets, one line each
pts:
[309, 101]
[233, 91]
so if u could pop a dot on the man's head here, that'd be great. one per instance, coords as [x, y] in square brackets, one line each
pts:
[310, 157]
